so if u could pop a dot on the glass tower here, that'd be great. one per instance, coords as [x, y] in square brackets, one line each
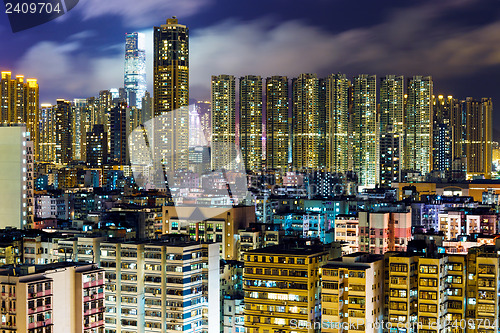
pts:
[135, 68]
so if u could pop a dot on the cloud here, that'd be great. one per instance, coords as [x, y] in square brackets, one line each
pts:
[411, 41]
[83, 35]
[64, 72]
[141, 13]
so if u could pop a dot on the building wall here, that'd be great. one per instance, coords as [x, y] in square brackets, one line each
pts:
[14, 177]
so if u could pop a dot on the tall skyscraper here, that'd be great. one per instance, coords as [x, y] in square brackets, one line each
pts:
[32, 105]
[119, 134]
[443, 140]
[6, 97]
[19, 103]
[135, 68]
[337, 109]
[306, 122]
[365, 130]
[171, 66]
[47, 133]
[97, 147]
[77, 123]
[171, 92]
[392, 104]
[251, 121]
[223, 152]
[63, 130]
[391, 128]
[89, 116]
[105, 105]
[277, 129]
[418, 125]
[458, 122]
[478, 138]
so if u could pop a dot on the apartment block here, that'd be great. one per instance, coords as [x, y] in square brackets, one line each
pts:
[352, 294]
[483, 290]
[209, 224]
[282, 288]
[53, 298]
[425, 294]
[169, 285]
[383, 232]
[347, 231]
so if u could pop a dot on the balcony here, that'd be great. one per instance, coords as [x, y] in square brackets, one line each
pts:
[94, 324]
[93, 297]
[93, 311]
[93, 283]
[38, 324]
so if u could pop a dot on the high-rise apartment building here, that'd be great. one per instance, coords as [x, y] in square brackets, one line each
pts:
[306, 113]
[223, 152]
[251, 121]
[337, 110]
[16, 177]
[171, 93]
[135, 68]
[171, 66]
[119, 134]
[277, 129]
[391, 128]
[63, 130]
[78, 123]
[458, 121]
[478, 137]
[47, 133]
[97, 147]
[19, 103]
[282, 288]
[365, 130]
[352, 294]
[32, 113]
[447, 137]
[418, 125]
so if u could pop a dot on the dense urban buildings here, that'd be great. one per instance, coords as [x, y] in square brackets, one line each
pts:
[307, 204]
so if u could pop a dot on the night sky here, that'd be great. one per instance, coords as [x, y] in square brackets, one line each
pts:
[455, 41]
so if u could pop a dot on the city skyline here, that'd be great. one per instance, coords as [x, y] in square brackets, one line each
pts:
[394, 25]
